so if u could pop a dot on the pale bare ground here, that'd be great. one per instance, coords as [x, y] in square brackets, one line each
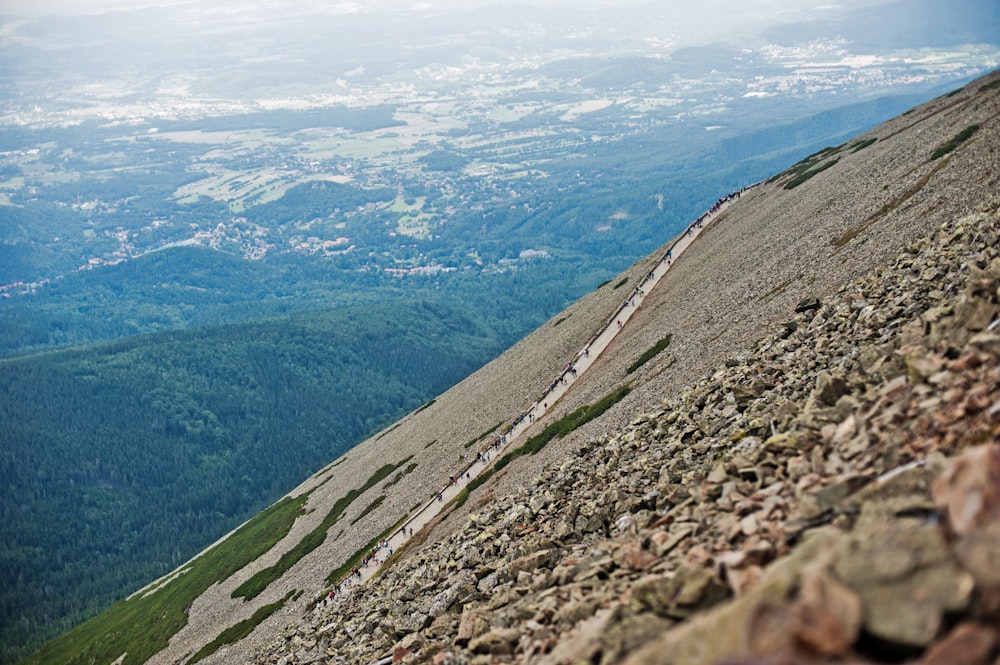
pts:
[738, 282]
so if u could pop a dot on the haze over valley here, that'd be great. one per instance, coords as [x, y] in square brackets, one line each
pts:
[414, 139]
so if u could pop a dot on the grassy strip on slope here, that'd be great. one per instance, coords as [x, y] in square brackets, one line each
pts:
[957, 140]
[237, 632]
[861, 145]
[399, 476]
[256, 584]
[369, 508]
[804, 165]
[649, 354]
[356, 558]
[806, 175]
[561, 427]
[142, 625]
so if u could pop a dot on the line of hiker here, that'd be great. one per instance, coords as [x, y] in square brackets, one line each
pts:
[528, 417]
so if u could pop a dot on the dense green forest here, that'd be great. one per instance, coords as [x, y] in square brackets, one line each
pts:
[120, 461]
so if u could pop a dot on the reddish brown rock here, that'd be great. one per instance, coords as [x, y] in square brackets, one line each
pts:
[968, 644]
[968, 492]
[827, 617]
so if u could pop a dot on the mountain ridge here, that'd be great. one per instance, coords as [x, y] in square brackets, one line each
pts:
[743, 278]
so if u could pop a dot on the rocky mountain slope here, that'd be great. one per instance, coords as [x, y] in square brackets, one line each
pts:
[763, 494]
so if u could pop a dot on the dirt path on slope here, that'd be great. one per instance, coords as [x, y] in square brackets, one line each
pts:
[584, 359]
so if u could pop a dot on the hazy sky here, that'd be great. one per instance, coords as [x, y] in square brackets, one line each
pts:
[688, 23]
[243, 47]
[707, 12]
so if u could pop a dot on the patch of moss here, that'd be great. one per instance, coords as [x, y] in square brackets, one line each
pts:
[399, 476]
[355, 559]
[861, 145]
[956, 141]
[368, 509]
[240, 630]
[260, 581]
[649, 354]
[806, 175]
[424, 406]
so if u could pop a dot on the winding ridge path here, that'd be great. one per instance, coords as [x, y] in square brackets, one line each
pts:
[584, 359]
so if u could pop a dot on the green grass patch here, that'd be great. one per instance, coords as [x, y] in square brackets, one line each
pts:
[806, 167]
[604, 283]
[428, 404]
[561, 427]
[564, 426]
[142, 625]
[399, 476]
[240, 630]
[471, 486]
[256, 584]
[560, 320]
[620, 284]
[992, 85]
[333, 464]
[649, 354]
[430, 444]
[368, 509]
[392, 428]
[861, 145]
[808, 174]
[956, 141]
[355, 559]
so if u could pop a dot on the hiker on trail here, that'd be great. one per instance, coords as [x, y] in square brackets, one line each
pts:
[619, 323]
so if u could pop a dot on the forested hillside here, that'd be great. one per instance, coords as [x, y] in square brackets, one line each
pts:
[118, 462]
